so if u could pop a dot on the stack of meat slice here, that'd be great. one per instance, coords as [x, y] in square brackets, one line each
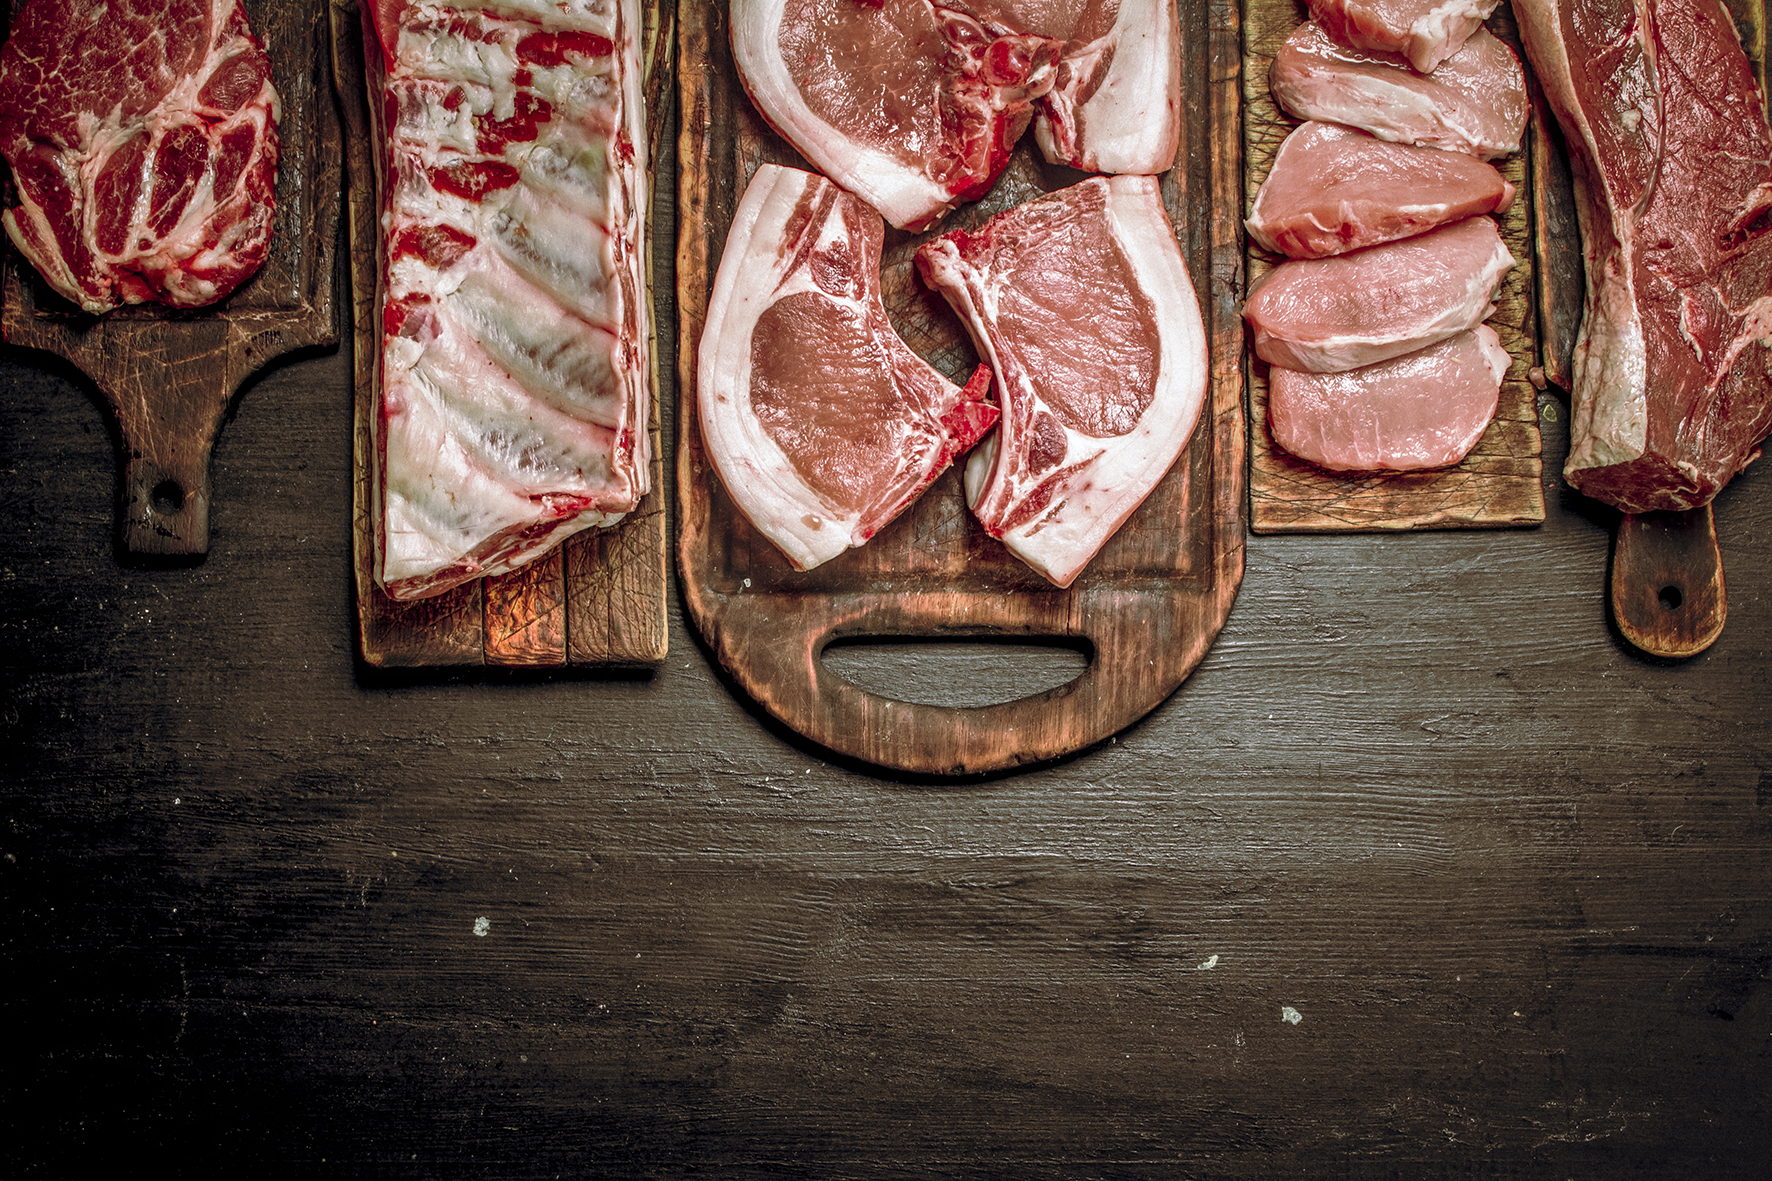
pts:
[1373, 329]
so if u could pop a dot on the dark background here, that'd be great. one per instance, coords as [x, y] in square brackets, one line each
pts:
[264, 912]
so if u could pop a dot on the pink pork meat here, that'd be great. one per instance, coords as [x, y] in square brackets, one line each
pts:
[513, 374]
[1081, 303]
[1424, 410]
[1335, 189]
[820, 421]
[1475, 102]
[915, 106]
[1426, 32]
[1668, 138]
[1330, 315]
[142, 136]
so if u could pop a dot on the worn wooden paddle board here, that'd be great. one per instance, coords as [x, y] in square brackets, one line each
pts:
[598, 600]
[1145, 610]
[169, 375]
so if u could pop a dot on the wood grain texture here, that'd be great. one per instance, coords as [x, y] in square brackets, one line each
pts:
[597, 601]
[1147, 607]
[1499, 483]
[170, 375]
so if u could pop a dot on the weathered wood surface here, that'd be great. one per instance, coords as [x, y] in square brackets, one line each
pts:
[1150, 603]
[597, 601]
[1499, 483]
[169, 376]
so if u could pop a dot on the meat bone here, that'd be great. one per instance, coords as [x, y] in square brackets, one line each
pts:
[168, 376]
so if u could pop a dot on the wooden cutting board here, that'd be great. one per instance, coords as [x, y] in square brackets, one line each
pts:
[167, 375]
[597, 601]
[1145, 610]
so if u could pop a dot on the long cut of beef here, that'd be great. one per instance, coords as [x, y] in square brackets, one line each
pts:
[513, 373]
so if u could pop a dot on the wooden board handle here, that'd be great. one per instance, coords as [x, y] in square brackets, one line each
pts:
[1668, 596]
[165, 500]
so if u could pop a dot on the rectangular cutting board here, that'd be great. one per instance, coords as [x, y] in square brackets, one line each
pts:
[1500, 483]
[598, 600]
[1147, 607]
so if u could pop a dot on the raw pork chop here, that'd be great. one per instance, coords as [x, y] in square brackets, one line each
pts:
[1081, 303]
[1426, 32]
[1474, 102]
[915, 106]
[1329, 315]
[1667, 133]
[822, 424]
[142, 136]
[1426, 409]
[513, 370]
[1334, 189]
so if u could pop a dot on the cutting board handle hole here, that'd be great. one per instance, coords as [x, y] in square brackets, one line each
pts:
[958, 673]
[1671, 597]
[168, 496]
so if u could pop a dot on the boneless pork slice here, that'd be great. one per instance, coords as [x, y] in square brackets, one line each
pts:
[1335, 189]
[142, 136]
[1425, 32]
[1329, 315]
[1424, 410]
[512, 377]
[820, 421]
[1081, 303]
[1668, 139]
[1475, 102]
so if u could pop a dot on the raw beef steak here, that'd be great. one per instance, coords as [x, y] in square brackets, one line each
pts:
[1081, 303]
[1424, 410]
[1334, 189]
[513, 372]
[1329, 315]
[915, 106]
[1668, 137]
[1426, 32]
[821, 422]
[1474, 102]
[142, 136]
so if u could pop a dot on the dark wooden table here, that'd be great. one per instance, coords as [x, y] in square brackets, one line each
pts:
[1423, 873]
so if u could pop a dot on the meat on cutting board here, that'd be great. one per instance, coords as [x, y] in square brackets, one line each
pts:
[1423, 410]
[1425, 32]
[1334, 189]
[513, 374]
[1329, 315]
[915, 106]
[1668, 138]
[822, 424]
[1474, 102]
[1082, 305]
[142, 136]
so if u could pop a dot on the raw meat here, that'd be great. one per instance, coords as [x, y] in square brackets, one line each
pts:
[1474, 102]
[1334, 189]
[1668, 137]
[513, 372]
[822, 424]
[1424, 410]
[1426, 32]
[1330, 315]
[916, 106]
[142, 136]
[1081, 303]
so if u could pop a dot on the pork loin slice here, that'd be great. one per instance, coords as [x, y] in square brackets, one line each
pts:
[1668, 138]
[821, 422]
[513, 378]
[1333, 189]
[1330, 315]
[1081, 303]
[1425, 32]
[1475, 102]
[1424, 410]
[142, 136]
